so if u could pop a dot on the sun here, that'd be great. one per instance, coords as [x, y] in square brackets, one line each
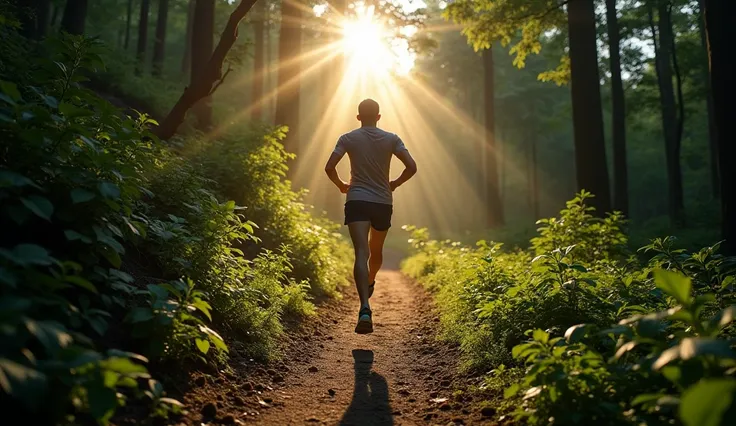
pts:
[371, 49]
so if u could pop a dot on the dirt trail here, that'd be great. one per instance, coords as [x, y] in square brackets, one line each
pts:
[399, 375]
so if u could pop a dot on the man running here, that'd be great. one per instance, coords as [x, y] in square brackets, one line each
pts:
[368, 206]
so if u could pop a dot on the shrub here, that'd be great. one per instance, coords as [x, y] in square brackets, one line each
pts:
[669, 350]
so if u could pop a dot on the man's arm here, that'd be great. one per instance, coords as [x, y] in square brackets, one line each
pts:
[410, 169]
[331, 170]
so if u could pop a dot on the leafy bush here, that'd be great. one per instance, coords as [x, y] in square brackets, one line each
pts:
[671, 307]
[114, 240]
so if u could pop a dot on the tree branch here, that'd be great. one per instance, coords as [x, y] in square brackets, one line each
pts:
[211, 75]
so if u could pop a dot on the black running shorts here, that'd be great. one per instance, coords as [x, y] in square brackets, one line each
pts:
[379, 215]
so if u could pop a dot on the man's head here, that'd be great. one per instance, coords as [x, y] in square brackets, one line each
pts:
[368, 112]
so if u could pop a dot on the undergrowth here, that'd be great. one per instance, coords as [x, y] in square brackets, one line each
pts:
[119, 249]
[577, 329]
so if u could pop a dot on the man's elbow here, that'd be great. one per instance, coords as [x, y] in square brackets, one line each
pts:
[412, 168]
[329, 169]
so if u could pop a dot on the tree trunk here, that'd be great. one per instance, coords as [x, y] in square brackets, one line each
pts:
[494, 218]
[287, 103]
[256, 93]
[159, 44]
[75, 14]
[267, 110]
[128, 19]
[720, 29]
[142, 36]
[712, 145]
[663, 65]
[202, 40]
[590, 150]
[618, 113]
[210, 77]
[42, 9]
[54, 16]
[186, 59]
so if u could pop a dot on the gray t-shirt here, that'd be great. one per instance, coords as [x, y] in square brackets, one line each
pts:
[370, 150]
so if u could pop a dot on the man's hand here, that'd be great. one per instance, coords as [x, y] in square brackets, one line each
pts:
[344, 187]
[393, 184]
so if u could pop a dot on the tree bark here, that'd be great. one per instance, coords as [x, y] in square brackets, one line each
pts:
[128, 19]
[42, 9]
[202, 41]
[618, 113]
[258, 68]
[590, 150]
[142, 36]
[186, 59]
[159, 44]
[75, 15]
[720, 29]
[289, 86]
[712, 144]
[663, 65]
[210, 74]
[494, 215]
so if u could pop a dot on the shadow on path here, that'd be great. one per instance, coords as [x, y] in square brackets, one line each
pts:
[370, 405]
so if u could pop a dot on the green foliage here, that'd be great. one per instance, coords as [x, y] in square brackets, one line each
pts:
[671, 345]
[113, 240]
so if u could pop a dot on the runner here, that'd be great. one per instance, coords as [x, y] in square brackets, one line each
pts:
[369, 201]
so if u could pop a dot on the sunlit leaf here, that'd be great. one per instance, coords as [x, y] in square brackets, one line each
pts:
[705, 403]
[674, 284]
[202, 345]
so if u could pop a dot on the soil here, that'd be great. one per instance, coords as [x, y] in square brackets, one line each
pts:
[398, 375]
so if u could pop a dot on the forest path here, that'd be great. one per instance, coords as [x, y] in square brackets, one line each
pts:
[398, 375]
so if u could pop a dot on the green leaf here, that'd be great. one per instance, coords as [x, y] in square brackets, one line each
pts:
[674, 284]
[109, 190]
[511, 391]
[540, 336]
[202, 345]
[576, 332]
[139, 314]
[31, 254]
[693, 347]
[52, 335]
[80, 195]
[112, 256]
[8, 178]
[102, 402]
[705, 403]
[11, 90]
[22, 382]
[81, 282]
[125, 366]
[39, 205]
[73, 111]
[203, 307]
[72, 235]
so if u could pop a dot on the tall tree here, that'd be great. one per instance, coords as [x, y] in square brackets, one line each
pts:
[712, 144]
[258, 68]
[618, 113]
[75, 15]
[587, 115]
[664, 44]
[494, 216]
[159, 44]
[210, 77]
[186, 58]
[42, 10]
[287, 103]
[721, 32]
[128, 19]
[142, 36]
[202, 41]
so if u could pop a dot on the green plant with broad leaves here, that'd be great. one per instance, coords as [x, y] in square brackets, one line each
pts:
[540, 322]
[116, 249]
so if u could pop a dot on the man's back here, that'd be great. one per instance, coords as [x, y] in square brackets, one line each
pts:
[370, 150]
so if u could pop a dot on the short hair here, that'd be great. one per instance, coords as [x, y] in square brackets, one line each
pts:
[368, 110]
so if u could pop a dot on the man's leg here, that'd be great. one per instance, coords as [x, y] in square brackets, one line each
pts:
[375, 243]
[359, 235]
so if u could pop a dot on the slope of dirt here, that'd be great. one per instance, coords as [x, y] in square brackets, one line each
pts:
[399, 375]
